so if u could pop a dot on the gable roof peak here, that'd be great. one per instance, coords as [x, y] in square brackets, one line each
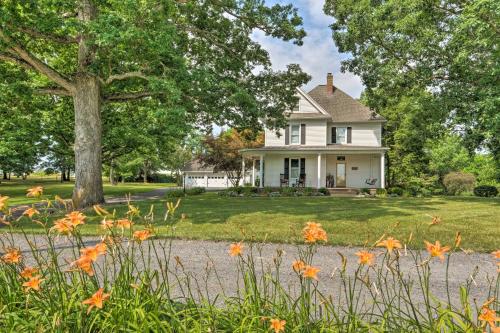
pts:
[341, 106]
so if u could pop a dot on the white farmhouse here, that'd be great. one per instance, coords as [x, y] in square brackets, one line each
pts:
[332, 141]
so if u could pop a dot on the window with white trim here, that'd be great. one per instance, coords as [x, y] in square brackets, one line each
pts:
[295, 134]
[341, 135]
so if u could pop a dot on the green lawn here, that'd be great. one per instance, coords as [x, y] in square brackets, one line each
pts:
[348, 221]
[16, 189]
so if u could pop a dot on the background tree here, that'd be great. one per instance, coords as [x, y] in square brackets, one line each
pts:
[448, 48]
[446, 155]
[20, 127]
[58, 136]
[196, 55]
[223, 152]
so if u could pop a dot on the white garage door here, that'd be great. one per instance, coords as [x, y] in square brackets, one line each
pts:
[210, 181]
[216, 181]
[196, 181]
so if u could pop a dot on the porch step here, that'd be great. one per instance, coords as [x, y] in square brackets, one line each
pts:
[344, 192]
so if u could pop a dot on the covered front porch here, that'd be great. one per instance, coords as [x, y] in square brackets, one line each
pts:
[330, 168]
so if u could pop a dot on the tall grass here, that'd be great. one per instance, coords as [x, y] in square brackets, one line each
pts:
[144, 287]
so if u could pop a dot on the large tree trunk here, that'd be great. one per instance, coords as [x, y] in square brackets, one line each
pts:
[88, 169]
[88, 127]
[5, 175]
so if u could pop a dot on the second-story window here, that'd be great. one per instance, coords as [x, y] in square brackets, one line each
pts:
[341, 135]
[295, 134]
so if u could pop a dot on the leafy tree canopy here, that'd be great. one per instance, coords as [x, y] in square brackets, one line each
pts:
[196, 57]
[223, 152]
[449, 48]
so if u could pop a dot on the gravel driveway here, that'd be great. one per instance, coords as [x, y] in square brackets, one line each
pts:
[199, 260]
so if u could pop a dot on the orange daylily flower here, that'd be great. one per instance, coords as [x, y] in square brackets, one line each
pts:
[298, 265]
[28, 272]
[12, 256]
[106, 224]
[496, 254]
[124, 223]
[34, 192]
[85, 264]
[390, 244]
[436, 250]
[365, 258]
[310, 272]
[92, 252]
[97, 300]
[32, 284]
[63, 226]
[142, 235]
[488, 315]
[30, 212]
[75, 218]
[277, 325]
[313, 232]
[236, 249]
[3, 202]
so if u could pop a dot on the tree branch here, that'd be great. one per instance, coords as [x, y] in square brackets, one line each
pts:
[125, 76]
[53, 91]
[37, 64]
[16, 61]
[47, 36]
[130, 96]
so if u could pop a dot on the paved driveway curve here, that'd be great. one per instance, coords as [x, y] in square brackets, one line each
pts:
[200, 260]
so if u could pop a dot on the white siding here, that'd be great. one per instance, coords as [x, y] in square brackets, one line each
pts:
[272, 140]
[274, 166]
[315, 134]
[365, 169]
[305, 106]
[363, 134]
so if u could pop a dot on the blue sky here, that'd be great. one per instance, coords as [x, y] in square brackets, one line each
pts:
[318, 55]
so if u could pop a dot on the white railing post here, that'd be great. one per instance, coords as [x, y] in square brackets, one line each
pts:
[319, 171]
[243, 171]
[382, 170]
[261, 172]
[253, 172]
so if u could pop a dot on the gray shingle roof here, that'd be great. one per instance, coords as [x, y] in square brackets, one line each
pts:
[308, 115]
[341, 106]
[195, 165]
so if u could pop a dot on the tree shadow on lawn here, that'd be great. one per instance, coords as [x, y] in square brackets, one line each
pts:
[221, 210]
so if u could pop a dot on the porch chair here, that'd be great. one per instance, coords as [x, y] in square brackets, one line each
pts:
[371, 181]
[283, 180]
[301, 182]
[330, 181]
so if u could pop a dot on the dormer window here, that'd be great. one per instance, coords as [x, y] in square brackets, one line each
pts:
[295, 134]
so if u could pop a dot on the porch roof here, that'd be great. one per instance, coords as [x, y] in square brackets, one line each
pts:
[334, 148]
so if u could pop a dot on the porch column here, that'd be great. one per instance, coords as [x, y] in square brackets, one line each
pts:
[382, 170]
[319, 170]
[253, 172]
[261, 172]
[243, 171]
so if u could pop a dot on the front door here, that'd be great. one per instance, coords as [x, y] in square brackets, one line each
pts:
[294, 171]
[340, 174]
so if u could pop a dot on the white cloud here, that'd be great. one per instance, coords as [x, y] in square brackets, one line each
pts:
[318, 56]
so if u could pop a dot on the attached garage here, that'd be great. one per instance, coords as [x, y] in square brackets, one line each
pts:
[196, 175]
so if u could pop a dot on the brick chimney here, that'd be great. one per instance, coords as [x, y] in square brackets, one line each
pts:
[329, 83]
